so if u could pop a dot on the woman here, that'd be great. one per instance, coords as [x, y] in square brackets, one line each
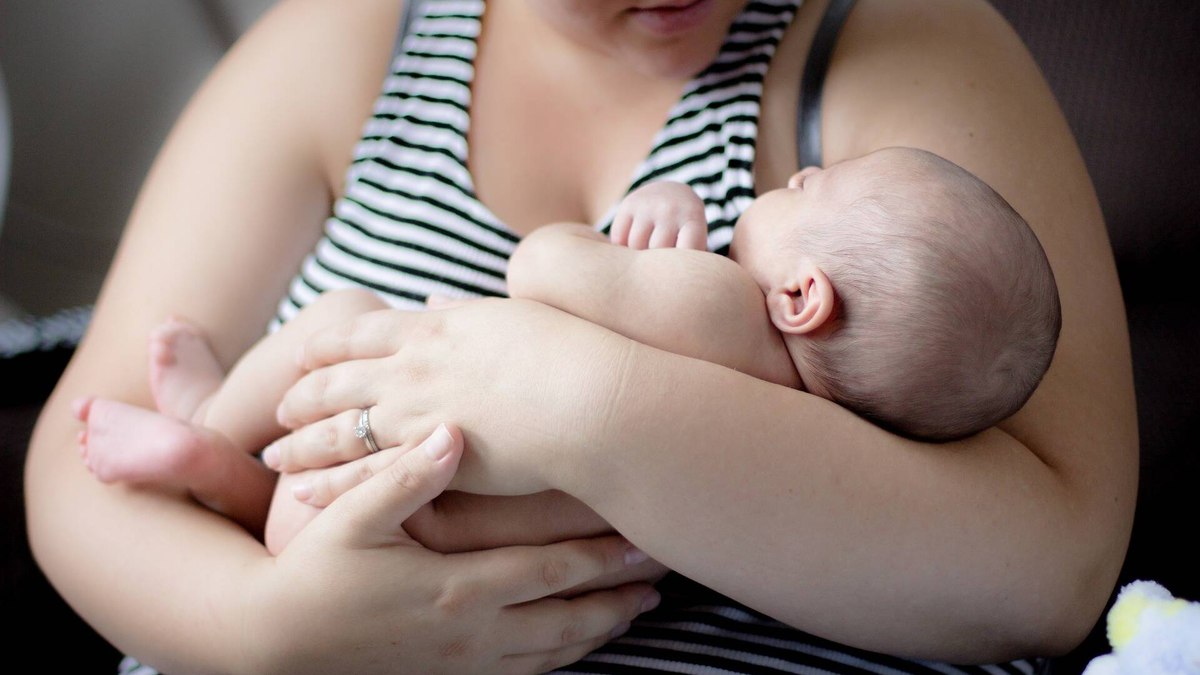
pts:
[999, 546]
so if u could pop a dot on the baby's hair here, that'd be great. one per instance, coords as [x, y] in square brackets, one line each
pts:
[948, 311]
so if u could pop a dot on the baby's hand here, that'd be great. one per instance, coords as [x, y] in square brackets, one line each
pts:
[661, 215]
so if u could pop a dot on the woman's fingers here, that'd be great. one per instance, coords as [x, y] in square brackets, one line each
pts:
[372, 513]
[520, 574]
[468, 522]
[369, 336]
[366, 336]
[321, 488]
[325, 443]
[552, 624]
[329, 391]
[522, 664]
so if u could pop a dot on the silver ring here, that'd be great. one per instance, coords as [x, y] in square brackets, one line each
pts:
[363, 430]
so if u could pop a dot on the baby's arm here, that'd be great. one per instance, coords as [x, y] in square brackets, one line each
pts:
[688, 302]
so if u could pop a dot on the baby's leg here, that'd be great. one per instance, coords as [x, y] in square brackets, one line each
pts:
[244, 407]
[211, 455]
[127, 443]
[184, 371]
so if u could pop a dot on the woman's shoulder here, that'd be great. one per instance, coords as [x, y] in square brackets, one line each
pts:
[921, 70]
[331, 56]
[891, 65]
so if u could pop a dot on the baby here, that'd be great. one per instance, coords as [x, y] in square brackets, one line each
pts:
[896, 284]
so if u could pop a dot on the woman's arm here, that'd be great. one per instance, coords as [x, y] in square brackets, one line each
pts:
[234, 201]
[1001, 545]
[1006, 543]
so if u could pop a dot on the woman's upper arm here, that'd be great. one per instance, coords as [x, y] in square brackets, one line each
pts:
[234, 200]
[952, 77]
[240, 189]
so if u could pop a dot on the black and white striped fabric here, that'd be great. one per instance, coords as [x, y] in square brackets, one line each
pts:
[410, 225]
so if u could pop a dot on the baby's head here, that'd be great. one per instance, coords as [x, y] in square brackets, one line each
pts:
[906, 289]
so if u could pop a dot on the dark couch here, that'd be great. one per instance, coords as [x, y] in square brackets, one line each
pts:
[1128, 77]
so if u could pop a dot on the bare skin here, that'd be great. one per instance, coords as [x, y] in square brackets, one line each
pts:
[1030, 521]
[209, 425]
[1076, 434]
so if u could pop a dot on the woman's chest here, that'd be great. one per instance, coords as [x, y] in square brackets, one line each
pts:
[538, 157]
[547, 145]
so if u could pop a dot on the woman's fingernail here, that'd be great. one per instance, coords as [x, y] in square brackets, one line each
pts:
[302, 492]
[651, 601]
[635, 555]
[439, 444]
[620, 630]
[270, 456]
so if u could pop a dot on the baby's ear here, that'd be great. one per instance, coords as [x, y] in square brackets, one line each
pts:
[804, 303]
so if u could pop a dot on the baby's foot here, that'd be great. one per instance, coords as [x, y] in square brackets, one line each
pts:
[183, 368]
[127, 443]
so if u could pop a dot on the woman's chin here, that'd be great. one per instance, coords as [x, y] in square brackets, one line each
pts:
[671, 62]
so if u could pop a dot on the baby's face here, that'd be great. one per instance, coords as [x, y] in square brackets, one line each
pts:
[764, 238]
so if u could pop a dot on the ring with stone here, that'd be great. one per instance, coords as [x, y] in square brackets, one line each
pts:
[363, 430]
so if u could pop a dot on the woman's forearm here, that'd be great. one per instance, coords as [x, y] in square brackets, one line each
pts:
[975, 550]
[157, 575]
[1002, 545]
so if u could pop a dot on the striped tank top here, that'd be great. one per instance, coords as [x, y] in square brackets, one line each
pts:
[410, 224]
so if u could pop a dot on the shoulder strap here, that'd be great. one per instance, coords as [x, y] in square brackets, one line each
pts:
[808, 121]
[406, 20]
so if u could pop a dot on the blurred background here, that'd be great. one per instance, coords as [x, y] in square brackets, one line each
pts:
[93, 88]
[88, 91]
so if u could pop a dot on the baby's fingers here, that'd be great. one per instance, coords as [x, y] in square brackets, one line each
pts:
[640, 232]
[622, 224]
[693, 235]
[664, 236]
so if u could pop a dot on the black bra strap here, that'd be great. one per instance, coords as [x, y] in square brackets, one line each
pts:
[808, 121]
[410, 11]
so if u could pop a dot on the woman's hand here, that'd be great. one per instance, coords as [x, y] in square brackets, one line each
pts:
[460, 522]
[494, 367]
[354, 568]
